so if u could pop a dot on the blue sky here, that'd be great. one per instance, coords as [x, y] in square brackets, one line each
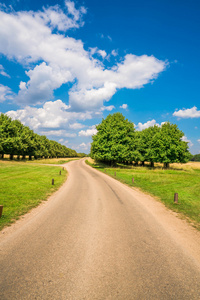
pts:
[65, 65]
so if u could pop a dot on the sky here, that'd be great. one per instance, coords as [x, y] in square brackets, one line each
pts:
[65, 65]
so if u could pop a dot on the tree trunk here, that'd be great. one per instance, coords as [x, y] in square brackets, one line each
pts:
[142, 163]
[166, 165]
[24, 157]
[11, 156]
[30, 157]
[152, 164]
[18, 157]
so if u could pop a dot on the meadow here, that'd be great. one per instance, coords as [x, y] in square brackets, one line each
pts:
[183, 179]
[24, 185]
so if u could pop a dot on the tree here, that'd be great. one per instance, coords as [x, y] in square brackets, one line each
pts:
[147, 144]
[195, 157]
[171, 146]
[114, 141]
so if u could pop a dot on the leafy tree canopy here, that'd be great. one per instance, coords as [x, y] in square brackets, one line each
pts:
[114, 141]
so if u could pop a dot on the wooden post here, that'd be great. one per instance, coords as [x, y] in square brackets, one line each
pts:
[1, 210]
[115, 173]
[63, 168]
[52, 181]
[176, 198]
[132, 180]
[60, 172]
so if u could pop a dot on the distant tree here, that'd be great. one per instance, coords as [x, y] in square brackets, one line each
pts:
[195, 157]
[114, 141]
[17, 139]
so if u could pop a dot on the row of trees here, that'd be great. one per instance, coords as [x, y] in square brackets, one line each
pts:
[117, 141]
[196, 157]
[20, 140]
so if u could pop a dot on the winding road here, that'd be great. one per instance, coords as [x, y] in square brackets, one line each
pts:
[99, 239]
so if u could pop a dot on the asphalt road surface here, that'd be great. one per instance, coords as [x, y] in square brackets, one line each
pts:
[95, 240]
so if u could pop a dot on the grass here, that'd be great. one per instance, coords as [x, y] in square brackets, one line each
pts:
[181, 179]
[23, 186]
[57, 161]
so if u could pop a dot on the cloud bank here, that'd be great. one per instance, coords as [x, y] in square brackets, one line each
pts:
[38, 41]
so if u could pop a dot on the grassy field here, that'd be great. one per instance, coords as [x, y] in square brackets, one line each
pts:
[23, 186]
[181, 179]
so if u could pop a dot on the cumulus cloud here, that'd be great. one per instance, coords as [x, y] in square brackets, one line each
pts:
[53, 114]
[5, 93]
[187, 113]
[89, 132]
[83, 147]
[124, 106]
[29, 37]
[148, 124]
[43, 81]
[185, 139]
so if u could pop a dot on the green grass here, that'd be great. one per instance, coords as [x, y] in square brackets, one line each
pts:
[23, 186]
[163, 184]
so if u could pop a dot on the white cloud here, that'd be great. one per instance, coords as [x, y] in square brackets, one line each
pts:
[5, 93]
[185, 139]
[83, 146]
[198, 140]
[43, 81]
[27, 37]
[53, 114]
[108, 108]
[114, 52]
[2, 72]
[124, 106]
[148, 124]
[102, 53]
[89, 132]
[58, 133]
[187, 113]
[76, 126]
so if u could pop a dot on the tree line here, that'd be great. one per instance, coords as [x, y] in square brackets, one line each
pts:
[20, 140]
[117, 141]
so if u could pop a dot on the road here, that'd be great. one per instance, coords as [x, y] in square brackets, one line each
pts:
[95, 239]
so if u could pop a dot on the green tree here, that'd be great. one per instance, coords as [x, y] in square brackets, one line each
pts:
[171, 146]
[114, 141]
[195, 157]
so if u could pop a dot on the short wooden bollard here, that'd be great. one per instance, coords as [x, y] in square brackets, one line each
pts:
[132, 180]
[1, 210]
[176, 198]
[115, 173]
[60, 172]
[52, 181]
[63, 168]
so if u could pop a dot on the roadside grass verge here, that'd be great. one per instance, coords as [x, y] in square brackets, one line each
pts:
[23, 186]
[162, 184]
